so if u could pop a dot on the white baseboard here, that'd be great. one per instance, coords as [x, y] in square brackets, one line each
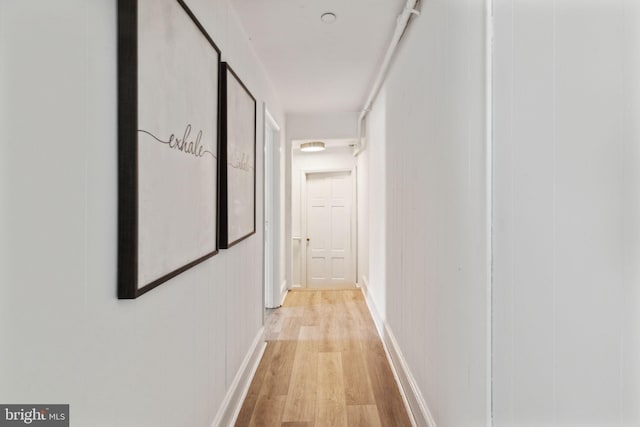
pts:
[283, 291]
[413, 399]
[232, 403]
[377, 319]
[417, 405]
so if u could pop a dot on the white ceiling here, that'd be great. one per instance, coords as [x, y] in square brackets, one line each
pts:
[318, 67]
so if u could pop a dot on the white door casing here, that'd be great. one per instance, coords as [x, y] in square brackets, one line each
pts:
[328, 227]
[272, 293]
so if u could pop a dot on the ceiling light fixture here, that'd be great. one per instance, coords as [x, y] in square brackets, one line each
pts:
[328, 18]
[310, 147]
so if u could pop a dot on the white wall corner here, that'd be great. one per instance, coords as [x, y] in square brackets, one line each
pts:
[411, 395]
[232, 403]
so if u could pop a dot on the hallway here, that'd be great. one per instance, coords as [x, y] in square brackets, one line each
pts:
[492, 216]
[324, 365]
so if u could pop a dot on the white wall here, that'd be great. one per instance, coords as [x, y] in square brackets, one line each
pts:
[333, 158]
[428, 215]
[567, 213]
[165, 359]
[322, 126]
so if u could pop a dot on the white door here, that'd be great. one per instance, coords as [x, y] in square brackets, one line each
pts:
[329, 229]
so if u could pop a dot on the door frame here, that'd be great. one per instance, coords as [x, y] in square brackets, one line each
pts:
[303, 220]
[271, 204]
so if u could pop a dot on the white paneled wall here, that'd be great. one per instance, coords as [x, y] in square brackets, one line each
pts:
[567, 206]
[165, 359]
[428, 204]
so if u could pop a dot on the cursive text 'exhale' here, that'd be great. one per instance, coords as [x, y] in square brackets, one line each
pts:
[193, 147]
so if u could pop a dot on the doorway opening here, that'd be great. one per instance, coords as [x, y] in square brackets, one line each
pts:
[323, 216]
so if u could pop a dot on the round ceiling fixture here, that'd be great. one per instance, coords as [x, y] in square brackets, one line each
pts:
[310, 147]
[328, 18]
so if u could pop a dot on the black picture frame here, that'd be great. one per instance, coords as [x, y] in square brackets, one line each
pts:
[168, 112]
[237, 159]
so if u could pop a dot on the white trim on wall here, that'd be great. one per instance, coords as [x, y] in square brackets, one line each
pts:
[489, 206]
[271, 210]
[283, 292]
[303, 228]
[297, 240]
[232, 403]
[415, 403]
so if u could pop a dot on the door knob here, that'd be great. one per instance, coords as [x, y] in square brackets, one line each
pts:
[308, 240]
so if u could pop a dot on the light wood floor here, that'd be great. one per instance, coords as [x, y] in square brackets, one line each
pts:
[324, 365]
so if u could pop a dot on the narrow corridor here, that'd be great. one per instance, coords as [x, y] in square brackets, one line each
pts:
[324, 365]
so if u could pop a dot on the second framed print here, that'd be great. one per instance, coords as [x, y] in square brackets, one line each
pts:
[237, 155]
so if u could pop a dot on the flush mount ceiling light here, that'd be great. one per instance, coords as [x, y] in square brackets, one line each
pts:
[328, 18]
[310, 147]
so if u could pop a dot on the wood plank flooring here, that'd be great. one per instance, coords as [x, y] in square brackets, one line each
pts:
[324, 366]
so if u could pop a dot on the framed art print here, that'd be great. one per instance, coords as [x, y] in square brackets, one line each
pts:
[168, 110]
[237, 159]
